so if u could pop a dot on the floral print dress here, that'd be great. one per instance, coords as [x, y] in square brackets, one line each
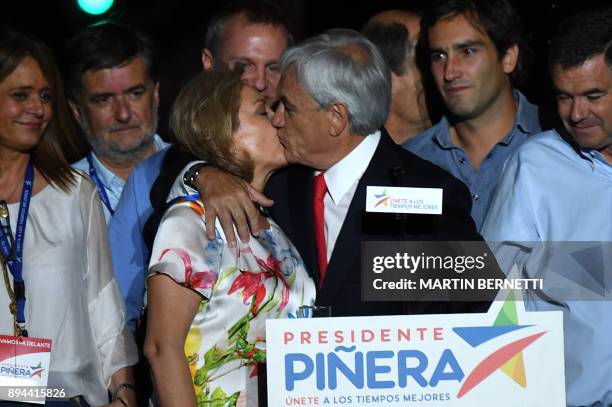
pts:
[240, 289]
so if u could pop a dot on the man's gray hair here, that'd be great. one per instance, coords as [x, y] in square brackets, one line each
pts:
[343, 66]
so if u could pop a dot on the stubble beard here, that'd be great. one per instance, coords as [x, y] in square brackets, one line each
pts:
[114, 152]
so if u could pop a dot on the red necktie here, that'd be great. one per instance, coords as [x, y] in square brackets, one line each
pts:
[318, 207]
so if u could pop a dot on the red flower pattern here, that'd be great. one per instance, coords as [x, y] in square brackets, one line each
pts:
[252, 284]
[198, 279]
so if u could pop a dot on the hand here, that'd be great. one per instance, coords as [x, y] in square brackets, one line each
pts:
[122, 387]
[231, 199]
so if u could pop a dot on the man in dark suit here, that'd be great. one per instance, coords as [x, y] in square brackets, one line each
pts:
[292, 191]
[333, 96]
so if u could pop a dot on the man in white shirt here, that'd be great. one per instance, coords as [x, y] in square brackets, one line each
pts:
[114, 96]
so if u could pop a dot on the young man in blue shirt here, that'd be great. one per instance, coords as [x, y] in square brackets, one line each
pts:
[474, 51]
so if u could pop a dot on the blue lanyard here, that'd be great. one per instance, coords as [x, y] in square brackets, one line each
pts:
[94, 176]
[13, 254]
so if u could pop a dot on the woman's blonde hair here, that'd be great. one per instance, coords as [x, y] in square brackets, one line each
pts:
[204, 118]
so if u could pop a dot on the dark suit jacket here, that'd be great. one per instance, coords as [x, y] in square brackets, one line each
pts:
[391, 165]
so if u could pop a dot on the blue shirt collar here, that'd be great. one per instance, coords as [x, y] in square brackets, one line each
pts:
[594, 155]
[108, 178]
[586, 154]
[442, 134]
[526, 121]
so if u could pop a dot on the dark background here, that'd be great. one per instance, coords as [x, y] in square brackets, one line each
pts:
[177, 28]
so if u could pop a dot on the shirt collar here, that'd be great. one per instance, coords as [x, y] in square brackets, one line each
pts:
[526, 121]
[107, 177]
[582, 153]
[589, 155]
[159, 143]
[442, 134]
[593, 156]
[342, 175]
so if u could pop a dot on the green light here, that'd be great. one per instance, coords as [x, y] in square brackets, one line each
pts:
[95, 6]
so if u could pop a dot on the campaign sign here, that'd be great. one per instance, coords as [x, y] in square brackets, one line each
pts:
[24, 362]
[506, 357]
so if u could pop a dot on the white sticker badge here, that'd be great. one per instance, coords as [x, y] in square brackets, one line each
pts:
[424, 201]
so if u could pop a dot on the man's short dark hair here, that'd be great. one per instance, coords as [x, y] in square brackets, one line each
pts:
[581, 37]
[498, 19]
[104, 46]
[253, 11]
[393, 40]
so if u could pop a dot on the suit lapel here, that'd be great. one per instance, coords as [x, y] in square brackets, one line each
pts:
[347, 251]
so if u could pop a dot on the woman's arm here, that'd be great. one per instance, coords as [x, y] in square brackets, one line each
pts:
[171, 308]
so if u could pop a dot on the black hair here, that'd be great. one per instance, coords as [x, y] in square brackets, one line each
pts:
[581, 37]
[253, 11]
[103, 46]
[498, 19]
[393, 40]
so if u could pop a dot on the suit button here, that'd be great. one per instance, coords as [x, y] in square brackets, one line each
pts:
[475, 196]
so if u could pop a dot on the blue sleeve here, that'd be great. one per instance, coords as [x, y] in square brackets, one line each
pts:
[130, 254]
[511, 215]
[510, 227]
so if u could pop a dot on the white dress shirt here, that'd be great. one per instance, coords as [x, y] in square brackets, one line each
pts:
[342, 179]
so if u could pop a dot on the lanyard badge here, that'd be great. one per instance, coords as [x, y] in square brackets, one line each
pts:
[12, 251]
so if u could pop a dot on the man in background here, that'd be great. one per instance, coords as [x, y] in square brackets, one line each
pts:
[250, 35]
[474, 50]
[395, 33]
[557, 187]
[114, 95]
